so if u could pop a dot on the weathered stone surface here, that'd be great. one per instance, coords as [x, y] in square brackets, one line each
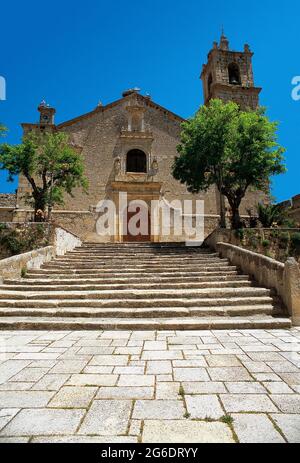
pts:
[136, 380]
[206, 406]
[247, 403]
[10, 368]
[43, 422]
[92, 380]
[28, 399]
[190, 374]
[245, 388]
[222, 361]
[6, 415]
[107, 417]
[158, 409]
[30, 374]
[51, 382]
[162, 431]
[287, 403]
[163, 367]
[124, 392]
[69, 366]
[167, 390]
[207, 387]
[73, 397]
[289, 425]
[255, 428]
[229, 374]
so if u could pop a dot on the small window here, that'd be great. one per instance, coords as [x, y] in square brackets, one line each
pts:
[234, 74]
[136, 161]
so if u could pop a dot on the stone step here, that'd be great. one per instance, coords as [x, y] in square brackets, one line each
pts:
[94, 312]
[127, 285]
[129, 294]
[115, 271]
[61, 281]
[188, 323]
[137, 267]
[82, 274]
[136, 259]
[51, 302]
[130, 266]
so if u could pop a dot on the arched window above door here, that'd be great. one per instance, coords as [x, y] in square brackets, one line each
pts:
[136, 161]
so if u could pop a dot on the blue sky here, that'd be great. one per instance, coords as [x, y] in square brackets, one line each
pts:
[74, 54]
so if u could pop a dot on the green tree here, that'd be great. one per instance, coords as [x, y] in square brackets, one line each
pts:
[51, 166]
[2, 130]
[231, 149]
[269, 214]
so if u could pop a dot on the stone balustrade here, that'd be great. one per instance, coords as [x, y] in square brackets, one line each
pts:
[284, 278]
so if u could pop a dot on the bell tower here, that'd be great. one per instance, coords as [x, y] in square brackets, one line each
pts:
[46, 113]
[228, 75]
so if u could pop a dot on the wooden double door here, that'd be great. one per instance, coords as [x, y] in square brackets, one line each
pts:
[137, 225]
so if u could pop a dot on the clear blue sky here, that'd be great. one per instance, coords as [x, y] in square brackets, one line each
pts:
[74, 54]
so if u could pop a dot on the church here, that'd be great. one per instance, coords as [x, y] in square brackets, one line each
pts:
[129, 146]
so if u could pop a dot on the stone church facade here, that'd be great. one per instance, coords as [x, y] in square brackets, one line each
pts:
[129, 147]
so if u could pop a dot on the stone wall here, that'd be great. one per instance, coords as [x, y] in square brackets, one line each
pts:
[277, 243]
[8, 200]
[293, 208]
[284, 278]
[17, 238]
[63, 241]
[12, 267]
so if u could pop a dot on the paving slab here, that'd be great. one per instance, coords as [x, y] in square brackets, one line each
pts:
[229, 374]
[6, 415]
[73, 397]
[84, 379]
[245, 388]
[289, 425]
[176, 431]
[247, 403]
[107, 417]
[255, 428]
[205, 406]
[43, 422]
[287, 403]
[207, 387]
[158, 409]
[22, 399]
[190, 374]
[124, 392]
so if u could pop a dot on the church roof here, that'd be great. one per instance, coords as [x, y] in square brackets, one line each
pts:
[145, 99]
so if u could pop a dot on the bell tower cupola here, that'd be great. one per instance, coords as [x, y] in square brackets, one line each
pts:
[46, 113]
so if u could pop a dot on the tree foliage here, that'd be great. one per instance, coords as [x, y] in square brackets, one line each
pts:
[269, 214]
[230, 148]
[51, 166]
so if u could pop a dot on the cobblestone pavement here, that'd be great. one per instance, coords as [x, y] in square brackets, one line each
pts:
[165, 386]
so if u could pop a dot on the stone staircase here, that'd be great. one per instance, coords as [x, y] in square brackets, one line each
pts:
[138, 286]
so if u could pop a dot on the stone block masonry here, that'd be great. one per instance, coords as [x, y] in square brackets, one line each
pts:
[51, 390]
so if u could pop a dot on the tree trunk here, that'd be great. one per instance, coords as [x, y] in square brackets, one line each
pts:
[39, 208]
[235, 218]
